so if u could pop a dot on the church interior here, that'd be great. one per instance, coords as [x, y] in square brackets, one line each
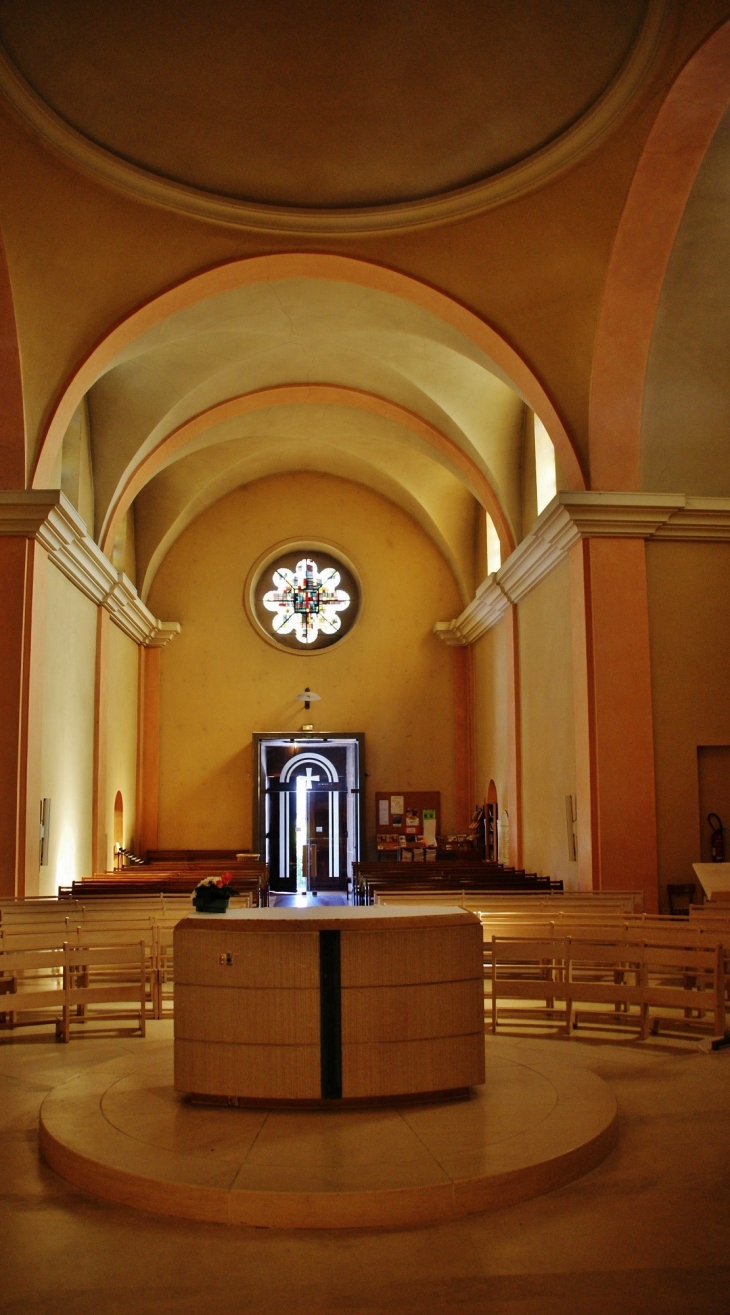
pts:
[365, 535]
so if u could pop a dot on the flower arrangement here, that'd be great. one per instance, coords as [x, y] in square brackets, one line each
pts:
[212, 894]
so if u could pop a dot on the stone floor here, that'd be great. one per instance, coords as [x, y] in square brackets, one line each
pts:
[646, 1232]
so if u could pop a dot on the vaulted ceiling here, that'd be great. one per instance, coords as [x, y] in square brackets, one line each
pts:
[334, 110]
[326, 376]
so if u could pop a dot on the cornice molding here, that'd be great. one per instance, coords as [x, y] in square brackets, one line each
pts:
[484, 611]
[571, 517]
[47, 516]
[526, 176]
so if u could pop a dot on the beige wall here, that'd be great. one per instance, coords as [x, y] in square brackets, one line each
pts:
[490, 713]
[121, 767]
[68, 730]
[548, 726]
[221, 681]
[689, 619]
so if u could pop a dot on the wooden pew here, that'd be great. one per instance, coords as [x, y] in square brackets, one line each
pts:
[644, 982]
[60, 984]
[25, 925]
[370, 878]
[249, 878]
[179, 857]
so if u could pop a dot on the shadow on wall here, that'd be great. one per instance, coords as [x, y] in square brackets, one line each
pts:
[202, 813]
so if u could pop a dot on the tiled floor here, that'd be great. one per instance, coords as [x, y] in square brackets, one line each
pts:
[647, 1233]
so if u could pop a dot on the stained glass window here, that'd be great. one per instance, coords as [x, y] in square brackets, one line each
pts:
[306, 600]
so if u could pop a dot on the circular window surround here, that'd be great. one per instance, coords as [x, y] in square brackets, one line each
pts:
[262, 563]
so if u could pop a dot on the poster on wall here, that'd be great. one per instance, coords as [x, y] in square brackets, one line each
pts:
[429, 826]
[396, 809]
[383, 813]
[413, 820]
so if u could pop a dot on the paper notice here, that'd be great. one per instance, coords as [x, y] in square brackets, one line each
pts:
[396, 803]
[429, 826]
[383, 812]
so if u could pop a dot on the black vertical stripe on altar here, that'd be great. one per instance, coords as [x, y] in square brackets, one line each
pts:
[330, 1015]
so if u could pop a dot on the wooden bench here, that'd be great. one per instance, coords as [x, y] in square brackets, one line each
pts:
[26, 926]
[369, 879]
[177, 857]
[60, 984]
[664, 984]
[249, 878]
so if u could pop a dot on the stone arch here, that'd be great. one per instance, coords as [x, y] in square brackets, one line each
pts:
[316, 395]
[302, 265]
[672, 155]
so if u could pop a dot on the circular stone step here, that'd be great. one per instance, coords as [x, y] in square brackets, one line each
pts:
[121, 1132]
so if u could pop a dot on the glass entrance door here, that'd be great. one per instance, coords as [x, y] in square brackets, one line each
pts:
[309, 810]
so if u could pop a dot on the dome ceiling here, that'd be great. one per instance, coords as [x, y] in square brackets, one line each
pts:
[291, 104]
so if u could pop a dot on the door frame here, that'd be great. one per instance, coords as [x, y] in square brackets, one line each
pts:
[305, 739]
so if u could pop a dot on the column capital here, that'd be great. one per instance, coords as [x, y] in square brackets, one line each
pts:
[47, 516]
[571, 517]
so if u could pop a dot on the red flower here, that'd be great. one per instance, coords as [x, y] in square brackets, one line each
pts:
[225, 879]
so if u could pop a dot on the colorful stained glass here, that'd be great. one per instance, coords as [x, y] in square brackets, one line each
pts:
[306, 600]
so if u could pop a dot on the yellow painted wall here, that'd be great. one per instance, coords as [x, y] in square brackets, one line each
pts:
[689, 620]
[121, 766]
[548, 726]
[490, 713]
[221, 681]
[68, 730]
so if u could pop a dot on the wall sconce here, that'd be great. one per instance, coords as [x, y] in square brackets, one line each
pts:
[307, 697]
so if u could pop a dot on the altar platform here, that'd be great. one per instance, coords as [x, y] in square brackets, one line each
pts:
[120, 1131]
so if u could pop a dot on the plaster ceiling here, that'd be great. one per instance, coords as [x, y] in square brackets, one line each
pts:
[686, 419]
[336, 440]
[316, 104]
[306, 331]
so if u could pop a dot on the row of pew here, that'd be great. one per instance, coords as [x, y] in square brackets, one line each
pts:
[555, 961]
[594, 958]
[453, 875]
[71, 961]
[250, 878]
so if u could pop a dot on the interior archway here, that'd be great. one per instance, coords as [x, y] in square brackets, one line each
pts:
[118, 828]
[664, 178]
[458, 331]
[303, 362]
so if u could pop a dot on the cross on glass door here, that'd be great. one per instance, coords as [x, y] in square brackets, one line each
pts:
[303, 786]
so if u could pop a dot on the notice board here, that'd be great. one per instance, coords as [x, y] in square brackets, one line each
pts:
[401, 813]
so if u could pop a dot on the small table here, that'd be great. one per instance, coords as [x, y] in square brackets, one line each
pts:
[311, 1006]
